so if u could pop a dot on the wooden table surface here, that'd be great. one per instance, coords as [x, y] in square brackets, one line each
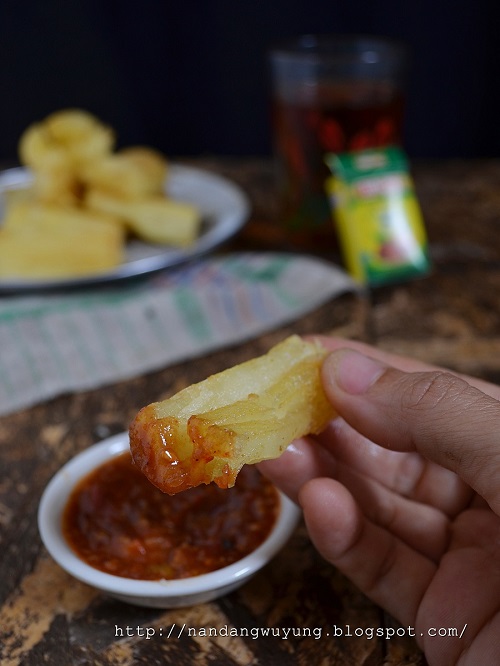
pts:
[451, 317]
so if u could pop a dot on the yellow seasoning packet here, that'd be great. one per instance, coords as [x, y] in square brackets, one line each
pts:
[378, 218]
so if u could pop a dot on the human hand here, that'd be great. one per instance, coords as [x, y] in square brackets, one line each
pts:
[402, 494]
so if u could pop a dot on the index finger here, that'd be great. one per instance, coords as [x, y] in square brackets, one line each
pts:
[437, 414]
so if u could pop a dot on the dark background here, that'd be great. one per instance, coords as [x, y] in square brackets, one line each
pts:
[190, 77]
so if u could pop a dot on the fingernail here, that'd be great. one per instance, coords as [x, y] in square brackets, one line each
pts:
[353, 372]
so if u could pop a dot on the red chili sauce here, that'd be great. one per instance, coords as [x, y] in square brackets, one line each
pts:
[118, 522]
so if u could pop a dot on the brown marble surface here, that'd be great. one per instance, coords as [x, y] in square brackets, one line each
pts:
[450, 317]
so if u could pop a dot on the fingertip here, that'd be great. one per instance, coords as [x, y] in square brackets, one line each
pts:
[352, 372]
[331, 515]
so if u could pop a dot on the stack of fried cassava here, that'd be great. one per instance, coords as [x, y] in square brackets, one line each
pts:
[86, 200]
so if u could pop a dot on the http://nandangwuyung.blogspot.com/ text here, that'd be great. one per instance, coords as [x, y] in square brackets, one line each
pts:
[177, 631]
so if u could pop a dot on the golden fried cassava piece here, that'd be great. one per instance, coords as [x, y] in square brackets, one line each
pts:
[152, 164]
[42, 241]
[70, 138]
[78, 176]
[155, 219]
[245, 414]
[124, 176]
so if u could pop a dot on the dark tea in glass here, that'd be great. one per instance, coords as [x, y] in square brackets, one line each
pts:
[330, 95]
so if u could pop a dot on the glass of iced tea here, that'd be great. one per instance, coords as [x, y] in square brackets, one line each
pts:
[330, 94]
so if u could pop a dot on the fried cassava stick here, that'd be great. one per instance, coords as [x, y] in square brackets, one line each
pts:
[245, 414]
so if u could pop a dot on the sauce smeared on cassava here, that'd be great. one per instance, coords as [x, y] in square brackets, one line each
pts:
[118, 522]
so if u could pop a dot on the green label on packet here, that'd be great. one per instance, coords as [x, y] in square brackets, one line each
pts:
[378, 219]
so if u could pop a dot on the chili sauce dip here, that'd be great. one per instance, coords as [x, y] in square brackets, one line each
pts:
[118, 522]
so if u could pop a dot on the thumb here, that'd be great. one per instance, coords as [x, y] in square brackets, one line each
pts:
[434, 413]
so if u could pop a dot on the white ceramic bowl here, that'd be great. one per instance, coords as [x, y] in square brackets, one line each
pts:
[159, 594]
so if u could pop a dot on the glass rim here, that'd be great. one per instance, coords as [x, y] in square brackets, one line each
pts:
[315, 48]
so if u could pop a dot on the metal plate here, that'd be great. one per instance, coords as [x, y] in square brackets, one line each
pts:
[224, 208]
